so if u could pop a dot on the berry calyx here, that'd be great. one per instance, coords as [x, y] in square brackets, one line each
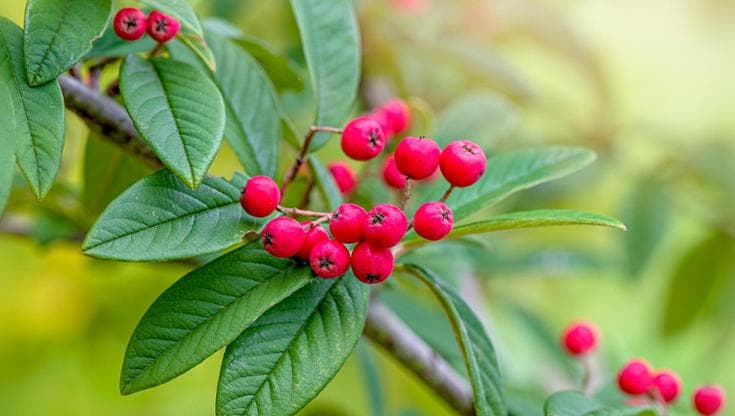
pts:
[129, 23]
[385, 225]
[391, 175]
[462, 163]
[668, 385]
[708, 400]
[347, 223]
[635, 377]
[433, 220]
[417, 157]
[162, 27]
[362, 138]
[260, 196]
[314, 235]
[397, 115]
[344, 176]
[371, 264]
[283, 237]
[579, 338]
[329, 259]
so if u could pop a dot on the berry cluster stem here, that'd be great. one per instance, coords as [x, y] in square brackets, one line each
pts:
[406, 194]
[157, 50]
[303, 212]
[655, 395]
[447, 193]
[301, 158]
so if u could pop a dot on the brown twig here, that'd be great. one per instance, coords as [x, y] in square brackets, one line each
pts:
[301, 158]
[447, 193]
[406, 194]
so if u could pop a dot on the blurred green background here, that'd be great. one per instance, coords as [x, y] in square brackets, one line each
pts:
[645, 83]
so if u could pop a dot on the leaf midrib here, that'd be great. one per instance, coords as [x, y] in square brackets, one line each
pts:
[54, 37]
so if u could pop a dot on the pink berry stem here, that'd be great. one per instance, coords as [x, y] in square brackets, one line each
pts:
[406, 194]
[320, 220]
[304, 212]
[301, 158]
[447, 193]
[658, 399]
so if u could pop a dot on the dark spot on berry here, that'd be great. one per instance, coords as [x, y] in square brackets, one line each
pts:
[267, 239]
[372, 278]
[161, 25]
[373, 139]
[445, 215]
[469, 149]
[336, 214]
[130, 23]
[325, 263]
[377, 218]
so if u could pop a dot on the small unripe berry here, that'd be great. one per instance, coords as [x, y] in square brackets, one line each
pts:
[129, 23]
[635, 377]
[668, 385]
[314, 235]
[162, 27]
[344, 176]
[433, 220]
[329, 259]
[462, 163]
[347, 222]
[260, 196]
[362, 138]
[371, 264]
[579, 338]
[391, 175]
[397, 115]
[283, 237]
[708, 400]
[417, 157]
[385, 225]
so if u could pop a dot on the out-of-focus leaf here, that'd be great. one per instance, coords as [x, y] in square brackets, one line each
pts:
[703, 270]
[371, 378]
[423, 119]
[58, 33]
[325, 183]
[481, 116]
[574, 403]
[331, 44]
[204, 311]
[159, 218]
[294, 349]
[48, 227]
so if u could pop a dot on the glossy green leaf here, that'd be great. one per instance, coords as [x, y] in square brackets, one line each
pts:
[58, 33]
[31, 117]
[325, 183]
[191, 30]
[515, 171]
[481, 116]
[110, 45]
[284, 359]
[284, 73]
[477, 350]
[574, 403]
[253, 126]
[108, 171]
[7, 158]
[159, 218]
[178, 112]
[331, 44]
[204, 311]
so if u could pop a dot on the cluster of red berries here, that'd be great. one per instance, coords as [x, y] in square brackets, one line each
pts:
[131, 24]
[638, 378]
[377, 231]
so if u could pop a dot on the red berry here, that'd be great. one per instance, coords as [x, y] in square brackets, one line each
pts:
[347, 223]
[668, 384]
[129, 23]
[344, 176]
[417, 157]
[362, 138]
[579, 338]
[314, 235]
[260, 196]
[635, 377]
[708, 400]
[397, 115]
[371, 264]
[385, 225]
[283, 237]
[329, 259]
[391, 175]
[462, 163]
[433, 220]
[162, 27]
[381, 118]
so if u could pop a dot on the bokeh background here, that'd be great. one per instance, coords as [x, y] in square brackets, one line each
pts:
[647, 84]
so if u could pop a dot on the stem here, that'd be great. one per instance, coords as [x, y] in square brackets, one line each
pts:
[156, 50]
[447, 193]
[303, 212]
[588, 374]
[658, 399]
[301, 158]
[406, 194]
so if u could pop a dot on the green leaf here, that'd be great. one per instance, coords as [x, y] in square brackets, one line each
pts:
[108, 171]
[31, 117]
[283, 72]
[191, 30]
[331, 44]
[370, 375]
[178, 111]
[481, 116]
[515, 171]
[159, 218]
[7, 156]
[284, 359]
[204, 311]
[325, 182]
[476, 347]
[110, 45]
[574, 403]
[58, 33]
[253, 126]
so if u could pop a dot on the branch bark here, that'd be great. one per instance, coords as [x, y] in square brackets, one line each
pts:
[111, 122]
